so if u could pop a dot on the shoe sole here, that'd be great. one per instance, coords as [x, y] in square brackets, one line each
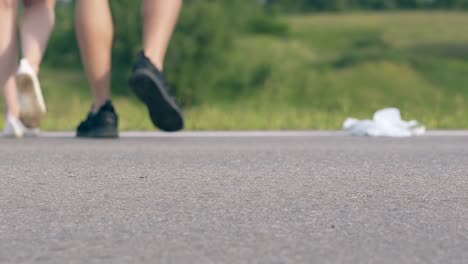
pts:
[100, 133]
[163, 110]
[32, 106]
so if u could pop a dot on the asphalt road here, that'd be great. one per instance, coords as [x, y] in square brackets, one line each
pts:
[234, 199]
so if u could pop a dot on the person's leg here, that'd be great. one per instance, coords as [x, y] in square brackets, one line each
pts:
[9, 54]
[95, 32]
[38, 23]
[147, 79]
[160, 18]
[36, 28]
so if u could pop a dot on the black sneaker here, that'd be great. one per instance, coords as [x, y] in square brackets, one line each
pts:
[102, 124]
[151, 87]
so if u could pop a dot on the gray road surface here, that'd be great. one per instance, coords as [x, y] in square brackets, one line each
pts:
[246, 198]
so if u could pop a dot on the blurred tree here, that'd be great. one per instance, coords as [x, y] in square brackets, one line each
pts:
[202, 44]
[339, 5]
[200, 47]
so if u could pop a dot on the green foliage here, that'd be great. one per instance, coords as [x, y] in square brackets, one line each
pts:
[200, 47]
[127, 31]
[266, 24]
[236, 65]
[327, 67]
[63, 47]
[340, 5]
[199, 62]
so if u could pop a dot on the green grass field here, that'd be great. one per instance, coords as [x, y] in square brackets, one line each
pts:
[328, 67]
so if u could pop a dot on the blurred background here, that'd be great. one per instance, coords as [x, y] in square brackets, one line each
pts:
[282, 64]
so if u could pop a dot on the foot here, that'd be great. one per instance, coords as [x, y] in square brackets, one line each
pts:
[32, 105]
[14, 128]
[102, 124]
[151, 87]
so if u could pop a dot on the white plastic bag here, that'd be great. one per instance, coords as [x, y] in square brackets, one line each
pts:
[386, 123]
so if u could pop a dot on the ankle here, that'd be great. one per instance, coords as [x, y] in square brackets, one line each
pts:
[14, 116]
[14, 113]
[98, 104]
[34, 66]
[156, 60]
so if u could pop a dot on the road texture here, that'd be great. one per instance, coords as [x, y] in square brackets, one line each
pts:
[234, 198]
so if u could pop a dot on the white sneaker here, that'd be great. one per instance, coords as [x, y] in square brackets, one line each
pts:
[13, 127]
[32, 105]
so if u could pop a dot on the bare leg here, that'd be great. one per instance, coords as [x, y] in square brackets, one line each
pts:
[38, 22]
[9, 54]
[95, 34]
[160, 18]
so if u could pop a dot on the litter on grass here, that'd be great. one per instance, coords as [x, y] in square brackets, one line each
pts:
[385, 123]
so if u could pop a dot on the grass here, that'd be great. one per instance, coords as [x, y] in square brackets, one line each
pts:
[328, 67]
